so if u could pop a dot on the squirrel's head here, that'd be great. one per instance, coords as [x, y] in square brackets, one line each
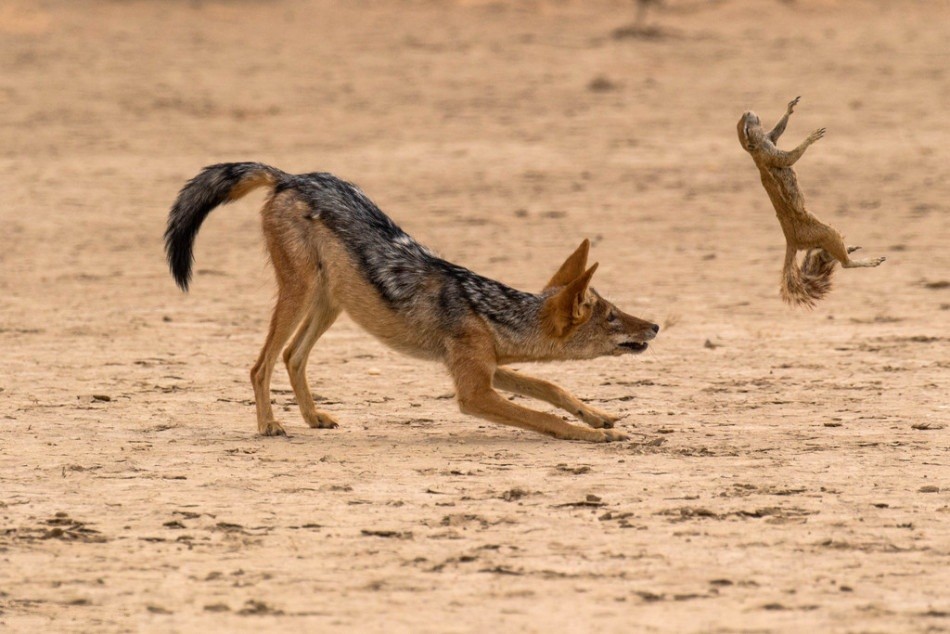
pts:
[750, 130]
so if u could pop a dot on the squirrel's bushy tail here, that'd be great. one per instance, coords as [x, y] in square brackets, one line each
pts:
[805, 285]
[215, 185]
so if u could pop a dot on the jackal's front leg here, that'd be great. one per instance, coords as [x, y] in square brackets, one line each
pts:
[511, 381]
[486, 403]
[472, 366]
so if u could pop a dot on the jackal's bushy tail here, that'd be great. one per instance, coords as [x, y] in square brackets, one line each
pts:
[215, 185]
[805, 285]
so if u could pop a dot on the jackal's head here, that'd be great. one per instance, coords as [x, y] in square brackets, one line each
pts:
[580, 323]
[750, 130]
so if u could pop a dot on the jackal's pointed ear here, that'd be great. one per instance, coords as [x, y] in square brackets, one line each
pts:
[569, 307]
[572, 268]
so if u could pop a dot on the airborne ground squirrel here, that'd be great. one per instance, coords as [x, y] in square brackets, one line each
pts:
[807, 284]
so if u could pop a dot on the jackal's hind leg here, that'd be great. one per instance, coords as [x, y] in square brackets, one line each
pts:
[518, 383]
[291, 305]
[321, 316]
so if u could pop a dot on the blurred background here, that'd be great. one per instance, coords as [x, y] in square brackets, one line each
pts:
[498, 133]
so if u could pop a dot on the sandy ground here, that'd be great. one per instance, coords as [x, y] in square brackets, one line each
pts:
[788, 469]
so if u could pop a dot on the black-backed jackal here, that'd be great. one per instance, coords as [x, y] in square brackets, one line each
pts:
[334, 250]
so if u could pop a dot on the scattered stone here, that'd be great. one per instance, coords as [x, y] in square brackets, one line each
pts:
[512, 495]
[258, 608]
[387, 534]
[575, 470]
[592, 501]
[228, 526]
[502, 570]
[926, 426]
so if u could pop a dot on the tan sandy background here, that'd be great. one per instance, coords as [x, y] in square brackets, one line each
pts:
[788, 469]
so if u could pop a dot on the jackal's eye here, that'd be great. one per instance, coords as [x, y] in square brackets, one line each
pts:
[611, 317]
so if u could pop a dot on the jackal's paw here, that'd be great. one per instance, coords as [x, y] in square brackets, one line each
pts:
[611, 435]
[321, 420]
[852, 249]
[270, 428]
[792, 104]
[817, 134]
[878, 261]
[598, 419]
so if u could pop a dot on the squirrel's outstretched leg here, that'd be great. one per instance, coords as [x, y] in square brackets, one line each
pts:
[781, 158]
[832, 242]
[779, 128]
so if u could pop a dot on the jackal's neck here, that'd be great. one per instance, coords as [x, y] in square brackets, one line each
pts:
[505, 308]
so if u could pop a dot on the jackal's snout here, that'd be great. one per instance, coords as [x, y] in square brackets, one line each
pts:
[636, 333]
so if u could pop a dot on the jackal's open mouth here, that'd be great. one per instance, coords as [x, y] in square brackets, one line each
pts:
[634, 346]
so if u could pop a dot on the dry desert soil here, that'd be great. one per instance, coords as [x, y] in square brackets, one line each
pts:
[788, 469]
